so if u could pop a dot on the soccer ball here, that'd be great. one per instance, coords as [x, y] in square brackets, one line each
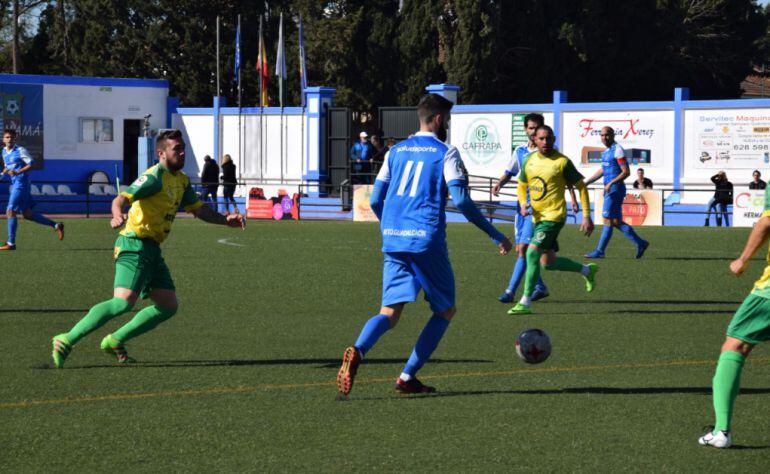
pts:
[12, 107]
[533, 346]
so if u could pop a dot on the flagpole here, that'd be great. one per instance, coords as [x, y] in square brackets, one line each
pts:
[218, 89]
[217, 142]
[241, 158]
[260, 60]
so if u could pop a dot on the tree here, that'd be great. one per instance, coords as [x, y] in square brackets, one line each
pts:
[468, 32]
[418, 48]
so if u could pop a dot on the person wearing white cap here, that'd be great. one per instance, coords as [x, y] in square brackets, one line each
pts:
[360, 155]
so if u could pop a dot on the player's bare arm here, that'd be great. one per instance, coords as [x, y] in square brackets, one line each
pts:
[599, 173]
[758, 238]
[19, 171]
[118, 217]
[521, 193]
[207, 214]
[587, 225]
[573, 198]
[504, 179]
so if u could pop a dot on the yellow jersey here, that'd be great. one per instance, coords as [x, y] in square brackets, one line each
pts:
[155, 198]
[547, 178]
[762, 286]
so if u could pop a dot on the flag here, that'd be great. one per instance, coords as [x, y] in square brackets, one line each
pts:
[262, 69]
[302, 66]
[280, 59]
[237, 55]
[280, 62]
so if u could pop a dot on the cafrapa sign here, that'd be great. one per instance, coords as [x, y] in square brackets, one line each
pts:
[645, 135]
[484, 141]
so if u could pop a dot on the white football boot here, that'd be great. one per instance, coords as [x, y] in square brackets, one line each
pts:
[722, 439]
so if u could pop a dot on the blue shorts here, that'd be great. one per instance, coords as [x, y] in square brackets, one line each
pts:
[20, 199]
[523, 229]
[613, 206]
[405, 274]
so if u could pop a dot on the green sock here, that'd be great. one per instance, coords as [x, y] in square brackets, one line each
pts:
[98, 317]
[145, 320]
[727, 384]
[565, 265]
[533, 271]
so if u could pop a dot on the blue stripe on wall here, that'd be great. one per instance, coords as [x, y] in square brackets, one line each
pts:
[64, 171]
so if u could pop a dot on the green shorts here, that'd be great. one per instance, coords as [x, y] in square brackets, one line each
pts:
[544, 235]
[751, 322]
[139, 266]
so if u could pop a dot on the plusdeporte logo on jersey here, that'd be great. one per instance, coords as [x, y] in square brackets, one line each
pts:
[482, 141]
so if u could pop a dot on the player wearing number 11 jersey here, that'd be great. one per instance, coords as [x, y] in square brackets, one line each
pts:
[409, 198]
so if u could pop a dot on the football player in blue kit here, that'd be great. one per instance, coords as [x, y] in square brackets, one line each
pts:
[18, 164]
[409, 198]
[615, 171]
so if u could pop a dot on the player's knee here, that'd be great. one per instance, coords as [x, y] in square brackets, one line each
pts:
[167, 312]
[120, 305]
[548, 265]
[448, 314]
[732, 344]
[10, 213]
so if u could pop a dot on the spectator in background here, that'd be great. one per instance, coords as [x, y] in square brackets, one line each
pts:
[360, 154]
[229, 181]
[722, 197]
[757, 183]
[641, 182]
[379, 153]
[391, 142]
[209, 180]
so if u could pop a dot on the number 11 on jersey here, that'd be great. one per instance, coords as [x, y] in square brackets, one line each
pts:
[405, 179]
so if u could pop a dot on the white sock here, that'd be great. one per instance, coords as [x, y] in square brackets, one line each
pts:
[526, 300]
[405, 377]
[585, 271]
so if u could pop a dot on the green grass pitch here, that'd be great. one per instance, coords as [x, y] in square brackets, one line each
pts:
[242, 378]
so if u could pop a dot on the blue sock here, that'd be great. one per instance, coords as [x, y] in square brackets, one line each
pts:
[426, 344]
[540, 286]
[373, 329]
[518, 273]
[13, 224]
[604, 240]
[41, 219]
[628, 231]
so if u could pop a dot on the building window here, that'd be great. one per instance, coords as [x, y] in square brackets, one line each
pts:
[95, 130]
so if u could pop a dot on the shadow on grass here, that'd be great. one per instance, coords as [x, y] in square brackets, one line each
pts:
[577, 391]
[320, 363]
[697, 259]
[675, 311]
[644, 302]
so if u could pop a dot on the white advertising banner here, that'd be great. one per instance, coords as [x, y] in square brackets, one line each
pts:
[484, 141]
[728, 139]
[647, 137]
[748, 206]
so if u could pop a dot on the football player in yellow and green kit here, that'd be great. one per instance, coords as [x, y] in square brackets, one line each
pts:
[546, 174]
[140, 270]
[750, 326]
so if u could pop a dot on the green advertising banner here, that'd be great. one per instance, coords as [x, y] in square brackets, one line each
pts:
[518, 132]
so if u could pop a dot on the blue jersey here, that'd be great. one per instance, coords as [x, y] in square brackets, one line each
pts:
[418, 172]
[516, 164]
[612, 158]
[15, 159]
